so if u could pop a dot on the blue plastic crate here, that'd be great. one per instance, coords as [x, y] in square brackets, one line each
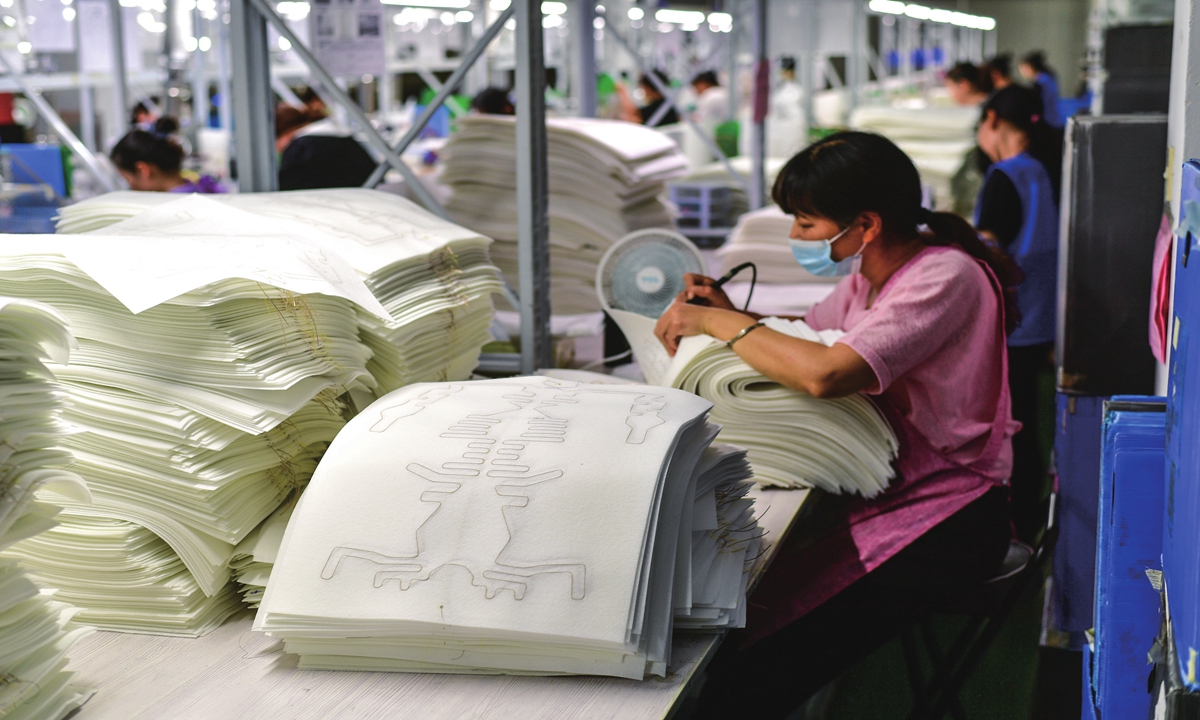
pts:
[1181, 526]
[1128, 614]
[1077, 461]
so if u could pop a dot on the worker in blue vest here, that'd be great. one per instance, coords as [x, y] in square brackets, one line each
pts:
[1018, 211]
[1038, 73]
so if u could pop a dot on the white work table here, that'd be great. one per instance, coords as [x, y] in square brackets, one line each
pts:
[236, 673]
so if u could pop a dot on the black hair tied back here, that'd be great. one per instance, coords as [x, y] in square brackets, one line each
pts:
[850, 173]
[155, 147]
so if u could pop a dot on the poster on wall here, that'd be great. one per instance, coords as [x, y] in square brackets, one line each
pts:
[347, 36]
[95, 37]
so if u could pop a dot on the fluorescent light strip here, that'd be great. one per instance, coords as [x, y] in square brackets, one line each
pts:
[920, 12]
[439, 4]
[680, 17]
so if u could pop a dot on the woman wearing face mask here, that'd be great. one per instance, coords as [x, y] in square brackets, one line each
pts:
[1018, 210]
[923, 307]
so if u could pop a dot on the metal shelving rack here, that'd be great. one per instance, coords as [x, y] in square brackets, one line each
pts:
[255, 148]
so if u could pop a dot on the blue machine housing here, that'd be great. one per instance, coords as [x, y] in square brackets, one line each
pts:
[1128, 610]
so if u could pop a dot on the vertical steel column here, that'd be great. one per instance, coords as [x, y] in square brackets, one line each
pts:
[585, 56]
[199, 79]
[120, 89]
[856, 72]
[731, 60]
[533, 188]
[762, 76]
[221, 40]
[253, 106]
[808, 56]
[87, 101]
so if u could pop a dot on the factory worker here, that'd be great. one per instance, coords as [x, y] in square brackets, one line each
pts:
[923, 307]
[999, 69]
[652, 102]
[968, 84]
[314, 155]
[1033, 68]
[1017, 209]
[712, 101]
[152, 161]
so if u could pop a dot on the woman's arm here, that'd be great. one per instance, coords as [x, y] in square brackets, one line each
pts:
[820, 371]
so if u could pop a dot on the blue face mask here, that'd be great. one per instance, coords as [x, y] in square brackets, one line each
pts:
[814, 256]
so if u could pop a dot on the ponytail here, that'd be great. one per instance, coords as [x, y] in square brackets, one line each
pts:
[1022, 108]
[948, 229]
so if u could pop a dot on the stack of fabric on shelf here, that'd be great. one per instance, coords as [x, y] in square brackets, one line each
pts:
[36, 630]
[434, 278]
[206, 384]
[607, 179]
[936, 138]
[794, 439]
[516, 526]
[761, 237]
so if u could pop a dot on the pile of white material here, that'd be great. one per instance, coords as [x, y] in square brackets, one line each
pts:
[36, 631]
[794, 439]
[936, 138]
[206, 385]
[255, 557]
[434, 277]
[761, 237]
[606, 180]
[517, 526]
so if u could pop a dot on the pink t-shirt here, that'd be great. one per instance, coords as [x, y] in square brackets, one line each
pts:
[935, 338]
[931, 338]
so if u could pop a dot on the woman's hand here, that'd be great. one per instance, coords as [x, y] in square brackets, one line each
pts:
[682, 320]
[700, 286]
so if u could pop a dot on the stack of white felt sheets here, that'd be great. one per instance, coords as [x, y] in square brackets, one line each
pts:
[206, 384]
[516, 526]
[936, 138]
[794, 439]
[761, 237]
[434, 278]
[36, 630]
[607, 179]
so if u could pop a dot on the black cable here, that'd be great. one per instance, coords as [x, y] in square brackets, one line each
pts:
[753, 282]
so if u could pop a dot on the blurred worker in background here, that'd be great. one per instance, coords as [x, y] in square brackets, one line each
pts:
[1018, 210]
[152, 161]
[315, 155]
[652, 102]
[787, 123]
[142, 118]
[999, 69]
[493, 101]
[1034, 69]
[314, 106]
[712, 101]
[968, 84]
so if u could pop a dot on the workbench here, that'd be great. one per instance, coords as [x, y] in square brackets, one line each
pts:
[235, 673]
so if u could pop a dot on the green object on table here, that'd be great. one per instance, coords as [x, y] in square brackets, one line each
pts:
[727, 137]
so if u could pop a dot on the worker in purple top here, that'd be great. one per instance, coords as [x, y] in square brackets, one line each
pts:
[152, 161]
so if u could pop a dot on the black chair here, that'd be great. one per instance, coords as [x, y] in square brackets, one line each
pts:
[1023, 572]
